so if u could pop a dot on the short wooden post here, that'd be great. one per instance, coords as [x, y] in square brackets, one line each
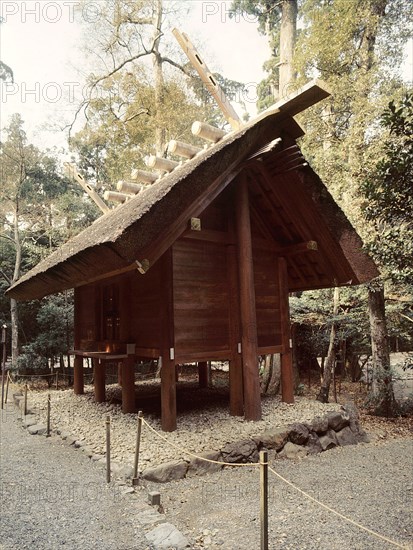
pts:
[7, 387]
[249, 344]
[264, 499]
[203, 374]
[135, 480]
[25, 399]
[48, 415]
[99, 380]
[57, 380]
[128, 384]
[78, 383]
[3, 363]
[108, 449]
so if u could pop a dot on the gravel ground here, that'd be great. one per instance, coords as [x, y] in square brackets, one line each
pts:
[53, 496]
[204, 422]
[370, 483]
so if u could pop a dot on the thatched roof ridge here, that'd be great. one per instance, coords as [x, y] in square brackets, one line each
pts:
[110, 244]
[147, 224]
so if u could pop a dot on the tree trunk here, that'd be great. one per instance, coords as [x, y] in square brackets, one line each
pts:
[383, 395]
[14, 311]
[288, 32]
[331, 355]
[159, 80]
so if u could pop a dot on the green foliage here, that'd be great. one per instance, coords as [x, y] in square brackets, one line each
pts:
[54, 333]
[388, 191]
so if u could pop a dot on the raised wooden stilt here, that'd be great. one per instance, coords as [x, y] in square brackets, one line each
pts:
[249, 345]
[287, 379]
[99, 380]
[203, 374]
[78, 384]
[120, 373]
[236, 390]
[168, 369]
[128, 384]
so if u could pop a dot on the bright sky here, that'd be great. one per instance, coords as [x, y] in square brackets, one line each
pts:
[39, 41]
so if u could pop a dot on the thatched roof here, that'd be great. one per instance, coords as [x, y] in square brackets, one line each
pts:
[146, 225]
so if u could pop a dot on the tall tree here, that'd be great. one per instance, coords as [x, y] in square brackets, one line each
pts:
[36, 210]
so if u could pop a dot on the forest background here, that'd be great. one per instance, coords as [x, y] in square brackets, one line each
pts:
[359, 141]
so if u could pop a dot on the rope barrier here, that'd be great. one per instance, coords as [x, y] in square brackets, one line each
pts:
[359, 525]
[185, 451]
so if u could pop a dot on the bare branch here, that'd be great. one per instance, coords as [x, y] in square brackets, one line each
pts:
[6, 277]
[177, 65]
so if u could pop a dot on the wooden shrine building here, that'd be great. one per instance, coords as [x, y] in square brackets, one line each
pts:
[198, 265]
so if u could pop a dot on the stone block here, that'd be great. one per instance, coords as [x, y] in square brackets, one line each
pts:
[167, 536]
[169, 471]
[338, 420]
[272, 439]
[197, 466]
[291, 450]
[319, 425]
[38, 429]
[240, 451]
[313, 444]
[298, 433]
[346, 437]
[329, 440]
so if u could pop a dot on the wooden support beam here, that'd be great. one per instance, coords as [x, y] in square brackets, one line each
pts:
[287, 379]
[181, 149]
[236, 387]
[168, 371]
[144, 176]
[78, 383]
[203, 374]
[207, 132]
[208, 79]
[99, 380]
[120, 373]
[128, 384]
[249, 345]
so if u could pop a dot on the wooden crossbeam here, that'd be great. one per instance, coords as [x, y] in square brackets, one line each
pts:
[162, 164]
[208, 79]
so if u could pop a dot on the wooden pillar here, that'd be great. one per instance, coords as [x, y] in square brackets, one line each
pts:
[236, 390]
[78, 384]
[128, 384]
[203, 374]
[249, 345]
[168, 370]
[120, 373]
[99, 380]
[287, 378]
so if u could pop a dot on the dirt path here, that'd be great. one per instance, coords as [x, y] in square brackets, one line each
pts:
[370, 483]
[54, 497]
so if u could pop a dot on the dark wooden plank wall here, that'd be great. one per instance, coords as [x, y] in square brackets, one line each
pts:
[201, 301]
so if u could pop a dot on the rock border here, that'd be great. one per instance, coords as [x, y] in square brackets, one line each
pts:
[295, 441]
[336, 428]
